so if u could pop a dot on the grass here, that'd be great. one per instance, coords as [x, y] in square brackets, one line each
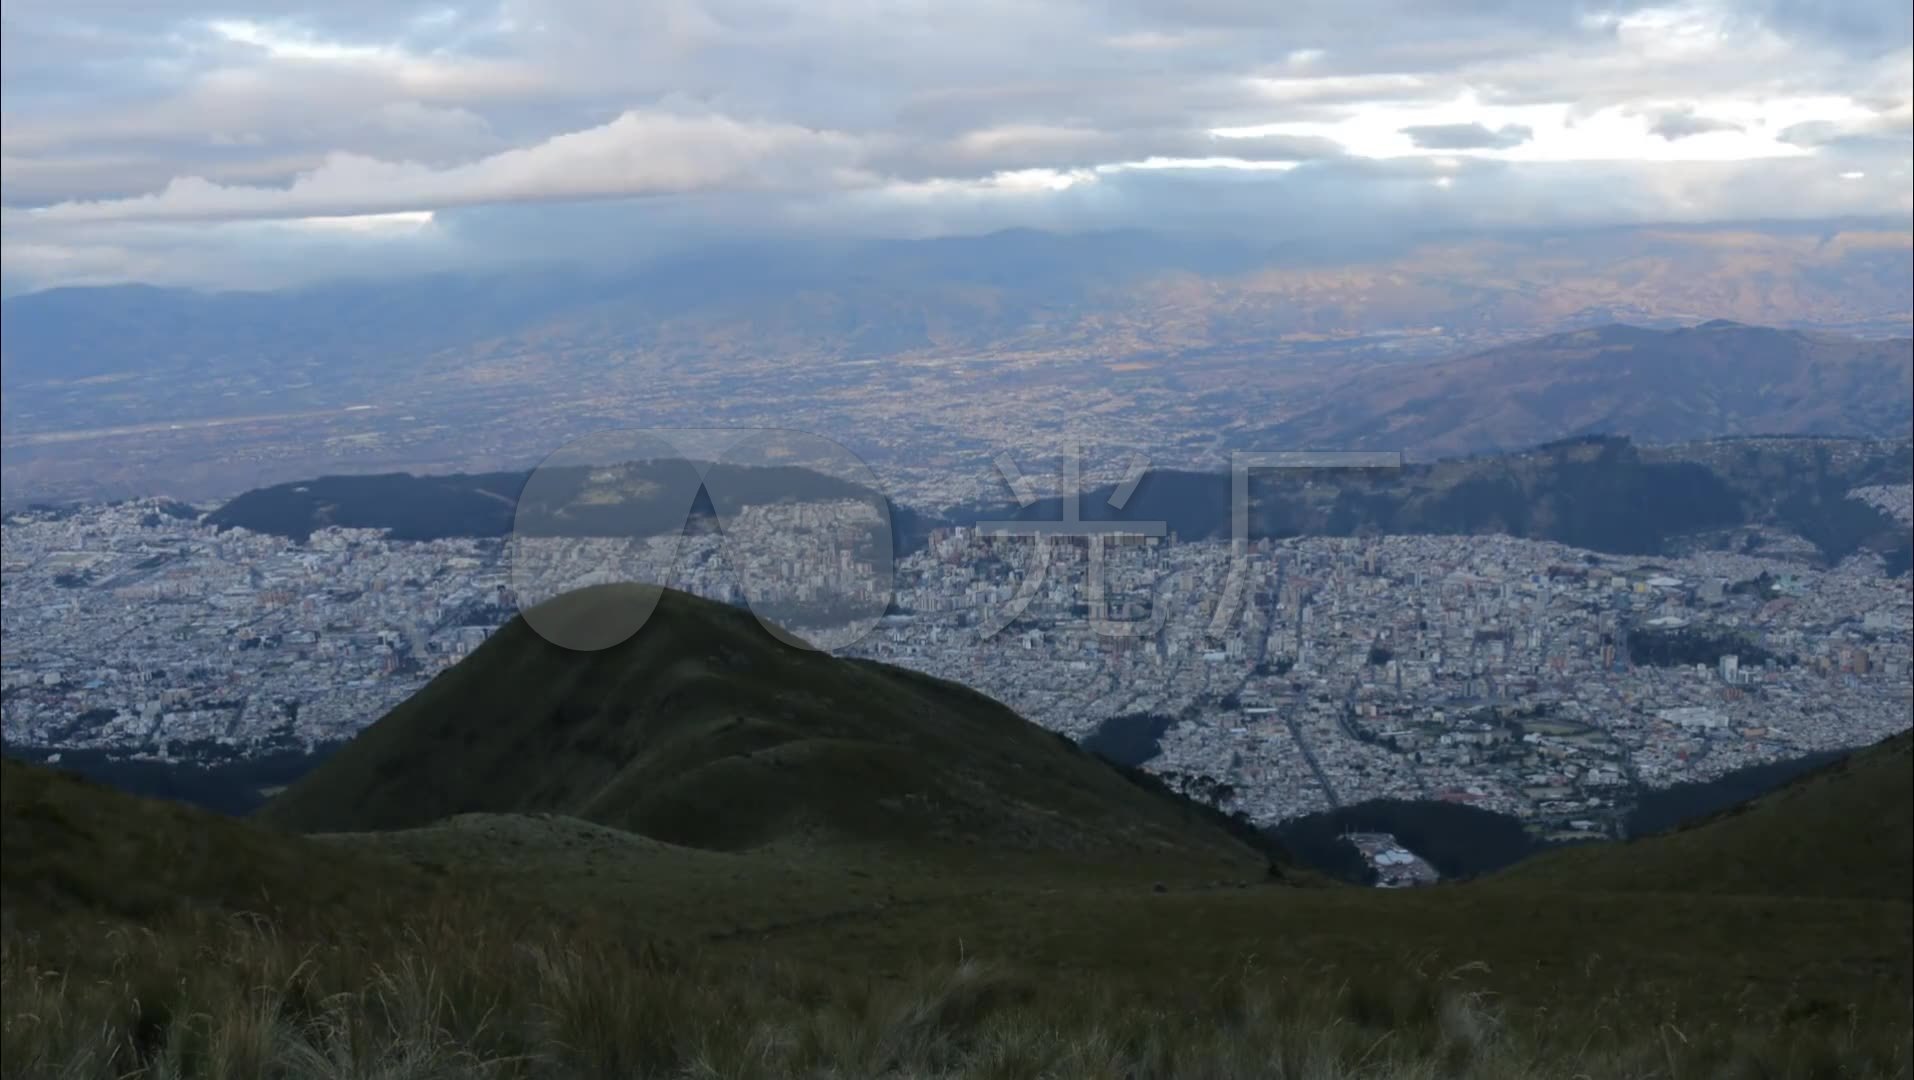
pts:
[896, 879]
[546, 946]
[1843, 830]
[448, 994]
[73, 846]
[1107, 921]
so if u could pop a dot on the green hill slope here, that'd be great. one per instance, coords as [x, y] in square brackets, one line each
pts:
[643, 860]
[703, 730]
[1842, 831]
[70, 848]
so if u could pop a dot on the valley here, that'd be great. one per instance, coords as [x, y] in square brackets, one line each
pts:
[720, 540]
[1382, 635]
[929, 359]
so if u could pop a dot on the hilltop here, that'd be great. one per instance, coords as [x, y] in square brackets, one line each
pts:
[703, 730]
[1843, 830]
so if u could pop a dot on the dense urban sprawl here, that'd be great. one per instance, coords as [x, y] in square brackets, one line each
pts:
[1302, 674]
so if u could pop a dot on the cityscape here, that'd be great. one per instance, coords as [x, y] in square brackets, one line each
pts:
[778, 541]
[1525, 677]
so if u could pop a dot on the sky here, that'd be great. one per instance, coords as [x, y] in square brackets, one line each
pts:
[235, 144]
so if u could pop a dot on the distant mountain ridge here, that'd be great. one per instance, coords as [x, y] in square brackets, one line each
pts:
[1603, 493]
[1123, 291]
[1716, 379]
[435, 507]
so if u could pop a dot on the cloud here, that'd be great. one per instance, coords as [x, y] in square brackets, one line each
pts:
[1467, 136]
[991, 151]
[228, 255]
[199, 125]
[1863, 27]
[1683, 122]
[635, 154]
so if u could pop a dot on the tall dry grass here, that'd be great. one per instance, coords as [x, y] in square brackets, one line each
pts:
[449, 997]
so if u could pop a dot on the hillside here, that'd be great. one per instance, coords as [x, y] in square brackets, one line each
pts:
[1718, 378]
[635, 499]
[573, 949]
[702, 730]
[1604, 493]
[763, 916]
[1843, 830]
[73, 848]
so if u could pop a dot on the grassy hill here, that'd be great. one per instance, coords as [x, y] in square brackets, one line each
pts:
[703, 730]
[1843, 830]
[71, 848]
[542, 961]
[706, 853]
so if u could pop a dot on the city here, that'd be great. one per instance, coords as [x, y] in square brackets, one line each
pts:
[1520, 676]
[760, 540]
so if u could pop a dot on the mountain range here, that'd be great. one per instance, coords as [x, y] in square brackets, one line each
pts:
[628, 499]
[1187, 351]
[1718, 378]
[1128, 290]
[1603, 493]
[1599, 492]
